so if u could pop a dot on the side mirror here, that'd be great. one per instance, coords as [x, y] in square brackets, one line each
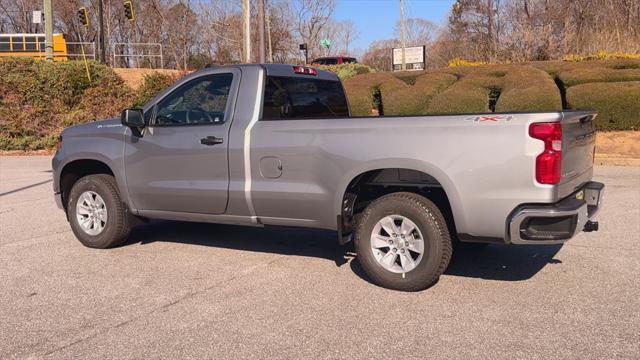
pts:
[132, 118]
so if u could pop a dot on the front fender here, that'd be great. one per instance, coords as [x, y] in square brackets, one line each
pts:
[107, 150]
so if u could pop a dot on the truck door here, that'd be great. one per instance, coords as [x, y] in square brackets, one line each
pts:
[180, 163]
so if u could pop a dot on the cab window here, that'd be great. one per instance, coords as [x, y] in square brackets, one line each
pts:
[201, 101]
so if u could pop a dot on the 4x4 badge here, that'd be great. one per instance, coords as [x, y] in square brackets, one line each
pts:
[489, 118]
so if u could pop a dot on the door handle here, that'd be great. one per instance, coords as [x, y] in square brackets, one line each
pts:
[210, 140]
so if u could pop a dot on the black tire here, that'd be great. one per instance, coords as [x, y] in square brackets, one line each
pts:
[116, 228]
[437, 241]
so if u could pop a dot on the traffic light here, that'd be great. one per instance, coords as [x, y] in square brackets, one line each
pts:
[303, 47]
[128, 10]
[83, 16]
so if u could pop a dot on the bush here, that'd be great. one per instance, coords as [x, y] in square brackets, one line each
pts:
[398, 97]
[617, 104]
[405, 99]
[462, 62]
[38, 99]
[463, 90]
[594, 71]
[152, 84]
[520, 88]
[360, 89]
[347, 71]
[526, 88]
[601, 55]
[598, 74]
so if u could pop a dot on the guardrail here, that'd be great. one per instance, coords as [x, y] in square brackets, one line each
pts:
[80, 50]
[136, 52]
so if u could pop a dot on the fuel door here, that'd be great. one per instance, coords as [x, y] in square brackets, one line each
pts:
[270, 167]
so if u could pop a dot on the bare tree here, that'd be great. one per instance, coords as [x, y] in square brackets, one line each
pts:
[311, 18]
[418, 31]
[379, 54]
[346, 33]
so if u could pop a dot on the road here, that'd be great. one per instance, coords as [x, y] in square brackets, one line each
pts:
[181, 290]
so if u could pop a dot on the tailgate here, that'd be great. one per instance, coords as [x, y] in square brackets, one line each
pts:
[578, 146]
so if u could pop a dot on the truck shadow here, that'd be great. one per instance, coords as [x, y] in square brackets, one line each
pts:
[502, 262]
[277, 240]
[492, 262]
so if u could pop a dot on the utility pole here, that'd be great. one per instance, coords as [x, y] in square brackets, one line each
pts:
[184, 45]
[268, 17]
[101, 42]
[48, 30]
[261, 31]
[403, 32]
[246, 32]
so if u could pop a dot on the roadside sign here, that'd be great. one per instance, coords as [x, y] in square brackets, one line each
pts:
[413, 56]
[325, 43]
[37, 17]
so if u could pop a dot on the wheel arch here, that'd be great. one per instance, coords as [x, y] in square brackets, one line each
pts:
[75, 169]
[414, 176]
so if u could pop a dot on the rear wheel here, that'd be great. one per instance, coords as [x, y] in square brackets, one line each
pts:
[402, 242]
[96, 213]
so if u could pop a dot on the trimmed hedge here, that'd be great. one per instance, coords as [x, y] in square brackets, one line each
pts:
[38, 99]
[397, 95]
[520, 88]
[618, 104]
[612, 90]
[526, 88]
[347, 71]
[572, 73]
[459, 90]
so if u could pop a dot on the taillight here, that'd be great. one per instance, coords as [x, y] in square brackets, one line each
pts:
[549, 162]
[305, 70]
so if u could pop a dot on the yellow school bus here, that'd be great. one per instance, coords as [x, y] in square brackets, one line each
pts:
[32, 45]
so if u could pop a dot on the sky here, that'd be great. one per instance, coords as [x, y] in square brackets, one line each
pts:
[376, 19]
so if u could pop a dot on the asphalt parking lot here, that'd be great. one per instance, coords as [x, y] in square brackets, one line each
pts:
[181, 290]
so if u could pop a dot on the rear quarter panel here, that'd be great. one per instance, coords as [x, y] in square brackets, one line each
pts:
[486, 167]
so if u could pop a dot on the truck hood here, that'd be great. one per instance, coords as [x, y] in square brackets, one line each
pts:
[95, 128]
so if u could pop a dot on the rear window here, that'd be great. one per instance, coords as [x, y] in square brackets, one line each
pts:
[303, 98]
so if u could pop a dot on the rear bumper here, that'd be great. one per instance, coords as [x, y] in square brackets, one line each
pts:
[556, 223]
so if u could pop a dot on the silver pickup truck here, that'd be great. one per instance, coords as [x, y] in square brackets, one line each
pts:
[276, 145]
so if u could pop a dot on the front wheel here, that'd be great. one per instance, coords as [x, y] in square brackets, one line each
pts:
[97, 215]
[402, 242]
